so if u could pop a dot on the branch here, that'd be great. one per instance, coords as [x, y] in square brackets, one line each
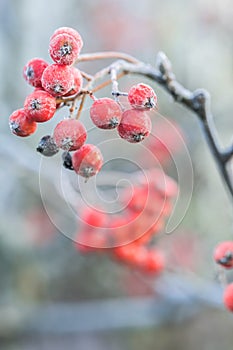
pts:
[197, 101]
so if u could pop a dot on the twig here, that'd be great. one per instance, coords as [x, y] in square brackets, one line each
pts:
[197, 101]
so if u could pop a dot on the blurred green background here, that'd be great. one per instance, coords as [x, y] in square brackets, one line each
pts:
[51, 297]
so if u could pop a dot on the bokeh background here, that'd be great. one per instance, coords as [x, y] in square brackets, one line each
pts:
[52, 297]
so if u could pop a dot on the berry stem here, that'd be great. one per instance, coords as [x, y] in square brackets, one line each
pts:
[81, 106]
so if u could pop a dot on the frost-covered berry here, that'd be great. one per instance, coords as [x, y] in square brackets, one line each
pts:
[135, 125]
[67, 160]
[57, 79]
[40, 106]
[70, 31]
[142, 96]
[87, 161]
[228, 297]
[70, 134]
[106, 113]
[20, 125]
[33, 71]
[64, 49]
[47, 146]
[78, 82]
[223, 254]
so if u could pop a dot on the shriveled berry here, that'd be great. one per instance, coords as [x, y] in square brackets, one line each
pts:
[40, 106]
[47, 146]
[78, 82]
[228, 297]
[70, 31]
[223, 254]
[87, 161]
[67, 160]
[70, 134]
[33, 71]
[135, 125]
[106, 113]
[64, 49]
[57, 79]
[20, 125]
[142, 96]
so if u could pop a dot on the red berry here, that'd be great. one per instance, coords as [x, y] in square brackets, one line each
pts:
[70, 134]
[57, 79]
[155, 261]
[70, 31]
[135, 125]
[20, 125]
[93, 217]
[78, 82]
[228, 297]
[64, 49]
[223, 254]
[142, 96]
[106, 113]
[33, 71]
[87, 161]
[40, 106]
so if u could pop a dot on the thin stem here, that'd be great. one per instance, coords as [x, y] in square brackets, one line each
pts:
[106, 55]
[81, 106]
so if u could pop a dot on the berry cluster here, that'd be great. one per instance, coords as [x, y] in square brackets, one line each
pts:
[129, 235]
[223, 255]
[59, 84]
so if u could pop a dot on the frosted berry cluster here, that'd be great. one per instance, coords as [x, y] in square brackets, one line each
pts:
[60, 84]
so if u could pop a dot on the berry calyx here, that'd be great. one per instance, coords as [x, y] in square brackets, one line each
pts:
[57, 79]
[47, 146]
[87, 161]
[64, 49]
[135, 125]
[70, 31]
[228, 297]
[70, 134]
[33, 70]
[142, 96]
[20, 125]
[40, 106]
[223, 254]
[106, 113]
